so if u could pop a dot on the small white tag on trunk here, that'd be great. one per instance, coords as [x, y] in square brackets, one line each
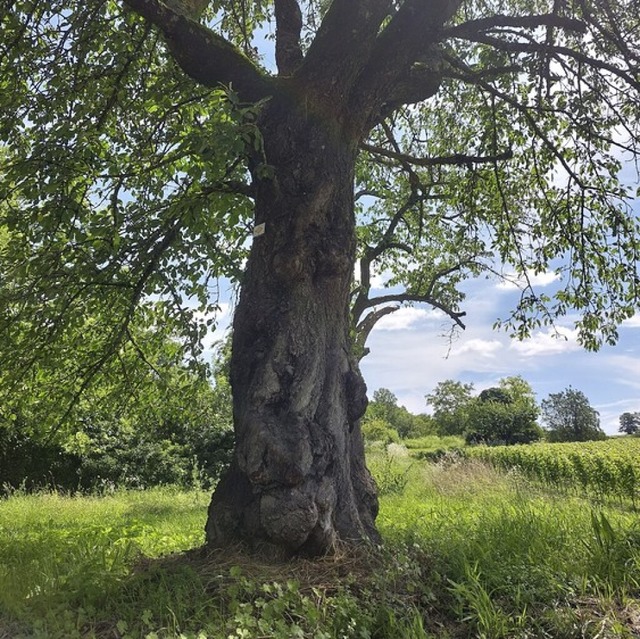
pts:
[259, 229]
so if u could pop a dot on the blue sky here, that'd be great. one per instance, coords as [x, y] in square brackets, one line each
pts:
[410, 354]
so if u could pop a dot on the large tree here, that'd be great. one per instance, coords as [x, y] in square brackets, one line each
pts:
[504, 414]
[629, 423]
[144, 138]
[569, 417]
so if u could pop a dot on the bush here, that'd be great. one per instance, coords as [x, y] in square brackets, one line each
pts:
[377, 430]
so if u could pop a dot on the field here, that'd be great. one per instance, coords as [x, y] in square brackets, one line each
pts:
[469, 552]
[603, 470]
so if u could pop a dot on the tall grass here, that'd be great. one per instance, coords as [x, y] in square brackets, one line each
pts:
[509, 559]
[468, 553]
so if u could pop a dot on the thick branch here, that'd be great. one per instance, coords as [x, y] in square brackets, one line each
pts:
[407, 46]
[288, 28]
[364, 328]
[424, 299]
[342, 45]
[420, 82]
[202, 54]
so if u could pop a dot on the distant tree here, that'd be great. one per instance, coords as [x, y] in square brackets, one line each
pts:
[384, 407]
[504, 414]
[422, 425]
[384, 404]
[630, 423]
[569, 417]
[450, 400]
[519, 389]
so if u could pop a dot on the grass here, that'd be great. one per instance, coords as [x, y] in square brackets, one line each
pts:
[468, 552]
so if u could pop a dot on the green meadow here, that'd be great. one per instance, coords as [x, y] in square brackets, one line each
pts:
[469, 551]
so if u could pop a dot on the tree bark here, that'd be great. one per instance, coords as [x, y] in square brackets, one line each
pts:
[298, 482]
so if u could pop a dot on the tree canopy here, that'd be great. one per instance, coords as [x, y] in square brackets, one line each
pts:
[450, 400]
[630, 423]
[569, 417]
[126, 177]
[504, 414]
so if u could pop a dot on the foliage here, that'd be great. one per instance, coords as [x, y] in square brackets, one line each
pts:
[112, 204]
[568, 416]
[167, 426]
[378, 430]
[603, 469]
[503, 414]
[384, 408]
[506, 414]
[630, 423]
[492, 422]
[449, 401]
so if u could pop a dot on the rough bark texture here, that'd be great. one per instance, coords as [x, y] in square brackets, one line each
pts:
[298, 481]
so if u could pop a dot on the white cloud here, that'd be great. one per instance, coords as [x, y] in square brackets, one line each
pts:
[405, 318]
[515, 281]
[550, 342]
[478, 347]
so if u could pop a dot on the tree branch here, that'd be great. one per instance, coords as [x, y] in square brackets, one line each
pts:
[469, 29]
[459, 159]
[424, 299]
[556, 51]
[418, 83]
[118, 332]
[409, 40]
[204, 55]
[288, 28]
[364, 328]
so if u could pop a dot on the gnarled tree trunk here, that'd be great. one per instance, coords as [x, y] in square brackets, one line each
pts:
[298, 480]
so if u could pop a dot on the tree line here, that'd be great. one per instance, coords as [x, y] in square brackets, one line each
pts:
[504, 414]
[164, 422]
